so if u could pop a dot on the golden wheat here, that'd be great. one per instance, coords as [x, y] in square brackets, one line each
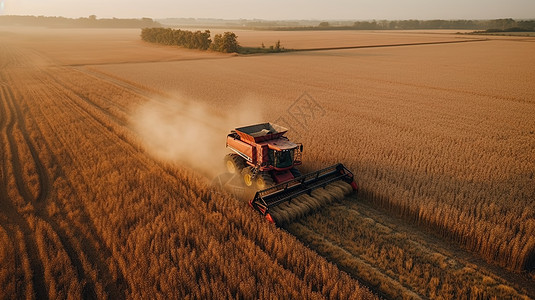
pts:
[393, 260]
[449, 149]
[105, 219]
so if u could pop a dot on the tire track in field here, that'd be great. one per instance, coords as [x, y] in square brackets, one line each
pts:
[40, 205]
[109, 129]
[44, 183]
[7, 223]
[15, 155]
[116, 289]
[10, 210]
[83, 104]
[13, 221]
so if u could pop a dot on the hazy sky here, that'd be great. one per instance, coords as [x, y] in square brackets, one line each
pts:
[276, 9]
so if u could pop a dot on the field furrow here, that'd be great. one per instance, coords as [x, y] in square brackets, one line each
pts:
[29, 270]
[44, 187]
[11, 257]
[14, 151]
[13, 275]
[67, 236]
[44, 182]
[91, 263]
[15, 219]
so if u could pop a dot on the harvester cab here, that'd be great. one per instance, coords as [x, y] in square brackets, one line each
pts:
[263, 155]
[266, 160]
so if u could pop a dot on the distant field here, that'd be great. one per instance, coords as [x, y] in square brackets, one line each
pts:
[340, 38]
[89, 46]
[440, 137]
[514, 34]
[493, 70]
[94, 46]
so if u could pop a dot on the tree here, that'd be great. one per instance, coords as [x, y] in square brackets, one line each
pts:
[278, 45]
[324, 24]
[228, 43]
[205, 40]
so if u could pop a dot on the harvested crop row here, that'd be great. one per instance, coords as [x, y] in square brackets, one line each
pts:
[304, 204]
[397, 259]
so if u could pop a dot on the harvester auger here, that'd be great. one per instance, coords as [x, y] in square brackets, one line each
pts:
[267, 161]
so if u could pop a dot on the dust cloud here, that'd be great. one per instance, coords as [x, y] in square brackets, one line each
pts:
[182, 131]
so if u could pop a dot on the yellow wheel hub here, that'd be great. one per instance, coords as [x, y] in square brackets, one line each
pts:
[231, 167]
[260, 183]
[247, 179]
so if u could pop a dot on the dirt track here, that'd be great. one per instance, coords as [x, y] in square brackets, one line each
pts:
[391, 45]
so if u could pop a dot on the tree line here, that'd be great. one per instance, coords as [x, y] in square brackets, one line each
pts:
[89, 22]
[496, 24]
[227, 42]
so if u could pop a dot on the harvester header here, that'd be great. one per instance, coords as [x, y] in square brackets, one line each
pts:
[267, 161]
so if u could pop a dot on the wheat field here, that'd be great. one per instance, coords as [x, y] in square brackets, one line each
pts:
[341, 38]
[86, 212]
[440, 137]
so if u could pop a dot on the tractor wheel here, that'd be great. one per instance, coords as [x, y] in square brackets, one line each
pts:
[234, 163]
[247, 174]
[263, 181]
[295, 172]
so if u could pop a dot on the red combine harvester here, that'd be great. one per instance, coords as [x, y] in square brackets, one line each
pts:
[267, 161]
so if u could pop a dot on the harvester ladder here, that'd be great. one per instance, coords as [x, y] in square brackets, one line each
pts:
[254, 172]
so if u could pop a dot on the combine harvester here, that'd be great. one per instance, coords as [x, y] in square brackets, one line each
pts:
[267, 161]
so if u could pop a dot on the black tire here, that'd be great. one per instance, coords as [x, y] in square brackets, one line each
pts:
[263, 181]
[247, 175]
[234, 163]
[295, 172]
